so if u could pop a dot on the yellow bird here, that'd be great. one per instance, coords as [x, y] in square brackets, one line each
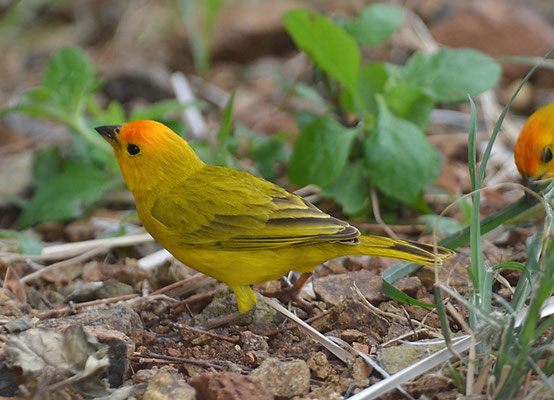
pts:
[534, 148]
[229, 224]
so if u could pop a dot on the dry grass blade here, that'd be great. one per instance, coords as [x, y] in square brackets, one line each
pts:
[420, 367]
[338, 351]
[72, 249]
[370, 361]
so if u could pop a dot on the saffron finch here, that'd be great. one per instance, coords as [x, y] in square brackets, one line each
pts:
[534, 148]
[229, 224]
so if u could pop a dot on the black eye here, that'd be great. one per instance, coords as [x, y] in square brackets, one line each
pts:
[546, 155]
[133, 149]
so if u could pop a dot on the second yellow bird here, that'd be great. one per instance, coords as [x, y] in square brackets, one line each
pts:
[230, 225]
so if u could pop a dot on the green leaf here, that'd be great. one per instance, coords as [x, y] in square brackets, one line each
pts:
[115, 114]
[450, 75]
[40, 102]
[321, 151]
[446, 226]
[400, 159]
[47, 163]
[27, 245]
[351, 188]
[398, 295]
[331, 48]
[70, 75]
[372, 81]
[66, 195]
[268, 151]
[410, 103]
[375, 24]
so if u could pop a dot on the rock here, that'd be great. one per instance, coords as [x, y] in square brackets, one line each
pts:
[226, 303]
[165, 386]
[396, 358]
[350, 335]
[318, 364]
[361, 369]
[250, 341]
[113, 288]
[146, 375]
[334, 289]
[257, 357]
[119, 317]
[284, 378]
[497, 28]
[229, 386]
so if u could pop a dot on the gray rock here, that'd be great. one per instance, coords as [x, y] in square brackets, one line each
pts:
[164, 386]
[251, 342]
[229, 386]
[318, 364]
[284, 378]
[119, 317]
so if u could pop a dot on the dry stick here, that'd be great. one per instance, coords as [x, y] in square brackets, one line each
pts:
[141, 357]
[378, 311]
[208, 333]
[471, 362]
[377, 214]
[288, 327]
[196, 297]
[194, 278]
[481, 379]
[73, 307]
[83, 257]
[405, 335]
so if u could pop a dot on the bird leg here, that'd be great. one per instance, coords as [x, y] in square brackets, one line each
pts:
[292, 293]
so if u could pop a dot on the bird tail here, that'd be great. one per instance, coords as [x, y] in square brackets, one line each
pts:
[420, 253]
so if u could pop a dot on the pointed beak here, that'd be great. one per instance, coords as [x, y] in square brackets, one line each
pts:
[109, 132]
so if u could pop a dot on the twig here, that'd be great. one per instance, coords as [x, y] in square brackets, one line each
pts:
[73, 307]
[80, 258]
[195, 298]
[377, 214]
[208, 333]
[191, 279]
[142, 357]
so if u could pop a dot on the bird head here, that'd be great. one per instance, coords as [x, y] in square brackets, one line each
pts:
[534, 149]
[149, 153]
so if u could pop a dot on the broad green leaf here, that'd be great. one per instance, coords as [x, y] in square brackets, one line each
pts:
[268, 152]
[47, 163]
[375, 24]
[400, 159]
[40, 102]
[371, 81]
[310, 94]
[446, 226]
[351, 188]
[66, 195]
[115, 115]
[410, 103]
[70, 75]
[321, 151]
[331, 48]
[27, 245]
[450, 75]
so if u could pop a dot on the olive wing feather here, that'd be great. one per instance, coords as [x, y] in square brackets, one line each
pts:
[233, 209]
